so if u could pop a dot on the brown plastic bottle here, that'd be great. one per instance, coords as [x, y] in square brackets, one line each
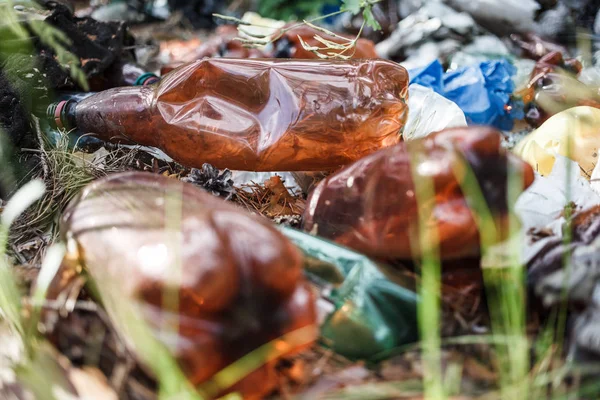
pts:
[214, 286]
[255, 114]
[553, 87]
[371, 205]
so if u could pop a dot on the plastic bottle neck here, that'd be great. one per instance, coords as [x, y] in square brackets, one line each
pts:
[62, 114]
[146, 79]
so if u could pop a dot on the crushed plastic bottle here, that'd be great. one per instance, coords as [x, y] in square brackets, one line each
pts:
[375, 308]
[572, 133]
[371, 206]
[554, 62]
[534, 47]
[553, 87]
[232, 281]
[260, 115]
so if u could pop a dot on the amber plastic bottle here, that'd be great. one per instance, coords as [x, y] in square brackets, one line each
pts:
[213, 287]
[255, 114]
[553, 87]
[371, 205]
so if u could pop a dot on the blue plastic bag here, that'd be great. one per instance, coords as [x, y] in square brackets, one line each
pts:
[483, 91]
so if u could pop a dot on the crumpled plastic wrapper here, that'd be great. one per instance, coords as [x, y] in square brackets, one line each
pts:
[235, 280]
[430, 112]
[371, 205]
[573, 133]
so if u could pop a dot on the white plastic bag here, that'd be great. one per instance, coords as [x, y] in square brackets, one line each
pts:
[545, 200]
[430, 112]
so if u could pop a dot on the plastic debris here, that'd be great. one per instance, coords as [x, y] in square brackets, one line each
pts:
[238, 280]
[555, 23]
[553, 87]
[287, 115]
[522, 75]
[558, 92]
[483, 91]
[545, 200]
[195, 13]
[179, 51]
[590, 76]
[545, 270]
[118, 11]
[595, 179]
[572, 133]
[429, 112]
[500, 17]
[222, 43]
[371, 205]
[483, 48]
[534, 47]
[433, 22]
[554, 62]
[375, 307]
[290, 45]
[579, 284]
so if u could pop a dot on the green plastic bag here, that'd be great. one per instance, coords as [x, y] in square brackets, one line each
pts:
[375, 307]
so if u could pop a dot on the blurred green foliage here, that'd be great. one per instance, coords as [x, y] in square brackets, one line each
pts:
[291, 10]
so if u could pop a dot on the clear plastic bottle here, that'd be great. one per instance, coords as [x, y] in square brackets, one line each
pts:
[255, 114]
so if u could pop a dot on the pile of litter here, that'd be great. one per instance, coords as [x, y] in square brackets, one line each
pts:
[344, 199]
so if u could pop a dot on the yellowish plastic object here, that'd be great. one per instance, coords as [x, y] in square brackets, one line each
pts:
[574, 133]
